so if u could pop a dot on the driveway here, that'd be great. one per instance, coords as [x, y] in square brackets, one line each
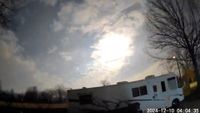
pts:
[190, 104]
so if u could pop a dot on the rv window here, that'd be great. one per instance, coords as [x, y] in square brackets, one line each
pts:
[143, 90]
[85, 99]
[172, 83]
[135, 92]
[163, 86]
[154, 88]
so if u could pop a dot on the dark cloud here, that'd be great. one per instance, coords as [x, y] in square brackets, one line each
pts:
[17, 71]
[33, 30]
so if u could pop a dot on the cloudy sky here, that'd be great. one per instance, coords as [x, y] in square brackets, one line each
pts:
[75, 43]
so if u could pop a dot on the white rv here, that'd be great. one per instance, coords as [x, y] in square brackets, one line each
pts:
[152, 92]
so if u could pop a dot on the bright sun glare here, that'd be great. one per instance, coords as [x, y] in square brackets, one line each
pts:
[112, 50]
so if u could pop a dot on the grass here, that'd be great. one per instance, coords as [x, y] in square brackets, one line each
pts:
[14, 107]
[23, 110]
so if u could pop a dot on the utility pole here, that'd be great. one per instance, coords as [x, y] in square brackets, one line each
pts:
[174, 57]
[0, 86]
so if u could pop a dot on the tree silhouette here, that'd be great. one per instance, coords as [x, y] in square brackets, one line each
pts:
[31, 94]
[7, 9]
[61, 93]
[105, 82]
[174, 24]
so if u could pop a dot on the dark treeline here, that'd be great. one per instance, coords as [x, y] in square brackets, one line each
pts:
[57, 95]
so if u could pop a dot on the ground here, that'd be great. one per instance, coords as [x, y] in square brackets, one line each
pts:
[190, 104]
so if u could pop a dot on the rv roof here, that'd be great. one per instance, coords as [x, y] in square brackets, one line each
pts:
[126, 82]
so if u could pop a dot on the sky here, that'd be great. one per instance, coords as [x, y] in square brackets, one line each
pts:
[75, 43]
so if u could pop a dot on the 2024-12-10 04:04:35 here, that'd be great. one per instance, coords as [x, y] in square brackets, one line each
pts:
[172, 110]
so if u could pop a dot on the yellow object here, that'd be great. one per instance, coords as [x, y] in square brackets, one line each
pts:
[193, 85]
[189, 75]
[189, 79]
[186, 90]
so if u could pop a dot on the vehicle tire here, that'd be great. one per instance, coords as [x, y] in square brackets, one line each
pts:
[175, 103]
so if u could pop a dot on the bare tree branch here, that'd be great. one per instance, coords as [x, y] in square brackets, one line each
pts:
[175, 24]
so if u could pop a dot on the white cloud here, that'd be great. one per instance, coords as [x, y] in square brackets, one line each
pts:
[102, 17]
[93, 77]
[57, 26]
[92, 15]
[66, 55]
[154, 69]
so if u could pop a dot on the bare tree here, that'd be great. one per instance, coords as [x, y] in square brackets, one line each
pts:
[31, 94]
[61, 92]
[6, 8]
[105, 82]
[175, 25]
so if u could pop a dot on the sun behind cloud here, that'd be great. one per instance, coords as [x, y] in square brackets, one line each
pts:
[112, 50]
